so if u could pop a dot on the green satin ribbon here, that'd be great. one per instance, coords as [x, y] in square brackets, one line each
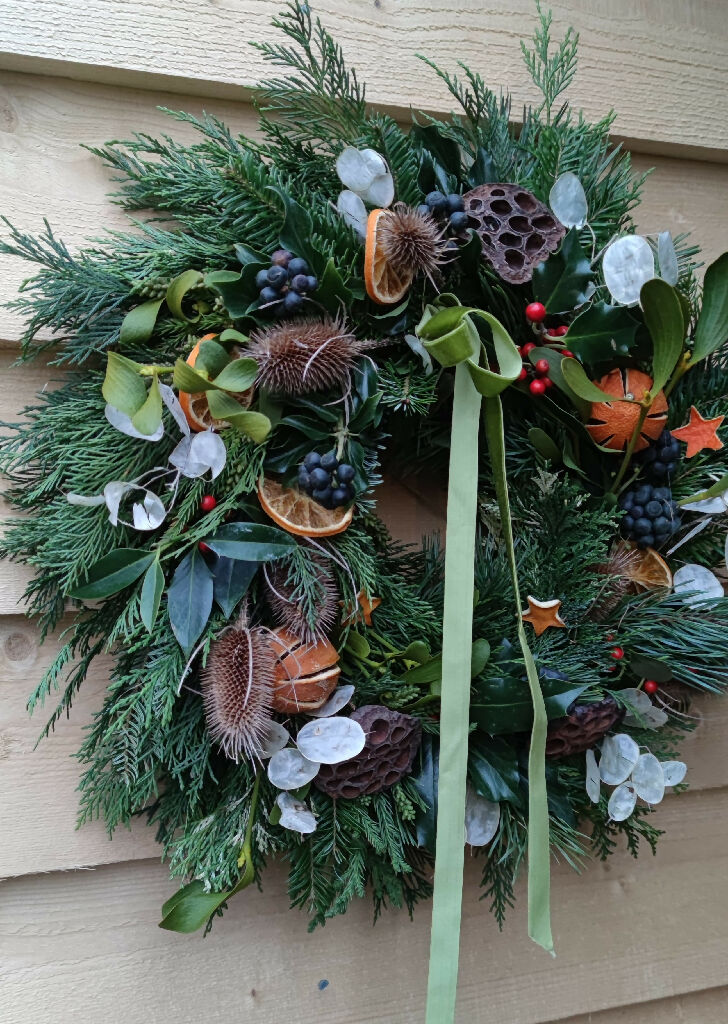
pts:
[450, 335]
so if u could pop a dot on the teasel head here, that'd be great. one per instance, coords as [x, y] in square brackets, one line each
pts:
[617, 571]
[412, 241]
[290, 613]
[237, 689]
[296, 357]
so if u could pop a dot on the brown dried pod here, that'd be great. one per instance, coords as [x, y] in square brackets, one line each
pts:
[584, 726]
[393, 739]
[287, 611]
[305, 674]
[516, 229]
[237, 689]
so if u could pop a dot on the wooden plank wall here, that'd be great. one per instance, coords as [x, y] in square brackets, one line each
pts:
[637, 941]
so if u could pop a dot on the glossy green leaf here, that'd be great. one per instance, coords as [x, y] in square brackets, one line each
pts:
[297, 229]
[212, 358]
[112, 573]
[443, 150]
[664, 319]
[332, 292]
[545, 445]
[189, 599]
[417, 651]
[123, 387]
[151, 595]
[493, 769]
[562, 281]
[231, 579]
[190, 908]
[602, 332]
[357, 644]
[425, 778]
[556, 373]
[238, 375]
[251, 542]
[247, 255]
[138, 325]
[430, 673]
[149, 416]
[230, 335]
[650, 668]
[187, 379]
[224, 407]
[575, 376]
[482, 170]
[712, 328]
[178, 290]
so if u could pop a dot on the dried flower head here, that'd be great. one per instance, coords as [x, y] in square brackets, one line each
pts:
[237, 689]
[289, 612]
[412, 242]
[296, 357]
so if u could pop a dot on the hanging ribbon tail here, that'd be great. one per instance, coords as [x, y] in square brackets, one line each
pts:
[451, 336]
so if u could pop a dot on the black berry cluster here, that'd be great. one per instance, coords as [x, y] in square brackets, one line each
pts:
[652, 515]
[326, 480]
[661, 458]
[448, 211]
[286, 284]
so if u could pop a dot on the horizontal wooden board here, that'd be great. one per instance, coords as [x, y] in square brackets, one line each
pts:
[707, 1007]
[626, 933]
[44, 172]
[660, 62]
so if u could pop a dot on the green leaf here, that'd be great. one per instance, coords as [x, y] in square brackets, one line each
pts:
[123, 387]
[561, 282]
[190, 908]
[151, 596]
[664, 319]
[211, 358]
[482, 171]
[650, 668]
[425, 778]
[138, 325]
[575, 377]
[493, 769]
[224, 407]
[602, 332]
[187, 379]
[556, 373]
[332, 293]
[238, 375]
[189, 599]
[247, 255]
[112, 573]
[297, 229]
[231, 335]
[417, 651]
[714, 491]
[251, 542]
[147, 419]
[236, 288]
[445, 151]
[357, 644]
[231, 579]
[545, 445]
[712, 328]
[177, 291]
[430, 673]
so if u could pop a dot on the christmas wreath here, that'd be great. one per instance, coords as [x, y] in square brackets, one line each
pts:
[335, 299]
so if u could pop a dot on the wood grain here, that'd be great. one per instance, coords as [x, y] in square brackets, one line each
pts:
[625, 933]
[707, 1007]
[660, 61]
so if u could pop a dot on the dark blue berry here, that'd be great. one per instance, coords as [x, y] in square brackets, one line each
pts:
[642, 526]
[659, 469]
[281, 257]
[628, 500]
[637, 511]
[423, 209]
[292, 302]
[277, 277]
[653, 508]
[320, 478]
[323, 496]
[345, 473]
[647, 540]
[261, 279]
[437, 202]
[662, 493]
[340, 496]
[300, 283]
[297, 266]
[304, 480]
[311, 283]
[458, 221]
[455, 203]
[312, 460]
[643, 494]
[268, 294]
[628, 523]
[329, 461]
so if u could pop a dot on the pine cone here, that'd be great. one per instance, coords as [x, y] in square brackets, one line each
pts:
[582, 727]
[392, 742]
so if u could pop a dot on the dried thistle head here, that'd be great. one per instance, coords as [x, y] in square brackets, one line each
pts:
[296, 357]
[619, 571]
[291, 614]
[411, 241]
[237, 689]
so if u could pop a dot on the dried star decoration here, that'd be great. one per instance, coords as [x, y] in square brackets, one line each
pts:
[364, 613]
[699, 434]
[543, 615]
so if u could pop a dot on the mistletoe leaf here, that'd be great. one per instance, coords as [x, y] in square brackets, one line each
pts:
[712, 329]
[147, 419]
[563, 281]
[211, 357]
[191, 907]
[238, 375]
[189, 599]
[138, 325]
[297, 230]
[123, 387]
[177, 292]
[601, 332]
[576, 378]
[664, 320]
[112, 573]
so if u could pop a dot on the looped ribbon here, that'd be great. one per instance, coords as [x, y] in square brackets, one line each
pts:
[450, 333]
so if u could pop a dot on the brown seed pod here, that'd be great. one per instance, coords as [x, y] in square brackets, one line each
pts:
[584, 726]
[237, 689]
[411, 241]
[305, 674]
[287, 611]
[392, 741]
[296, 357]
[516, 229]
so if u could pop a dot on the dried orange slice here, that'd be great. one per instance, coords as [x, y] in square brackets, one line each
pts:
[299, 514]
[383, 284]
[305, 674]
[195, 406]
[611, 424]
[644, 567]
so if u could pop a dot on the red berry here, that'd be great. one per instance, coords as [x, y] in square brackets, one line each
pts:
[204, 548]
[559, 332]
[208, 503]
[617, 653]
[650, 686]
[528, 347]
[523, 374]
[536, 312]
[566, 354]
[548, 382]
[537, 386]
[541, 366]
[610, 637]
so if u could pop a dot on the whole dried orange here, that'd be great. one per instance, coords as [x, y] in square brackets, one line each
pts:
[298, 513]
[306, 674]
[611, 424]
[384, 285]
[195, 405]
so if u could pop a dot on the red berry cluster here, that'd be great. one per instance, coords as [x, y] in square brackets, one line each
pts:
[538, 374]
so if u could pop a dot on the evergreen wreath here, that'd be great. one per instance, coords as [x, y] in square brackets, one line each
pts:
[244, 365]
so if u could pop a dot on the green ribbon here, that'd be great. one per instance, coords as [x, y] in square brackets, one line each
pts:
[450, 335]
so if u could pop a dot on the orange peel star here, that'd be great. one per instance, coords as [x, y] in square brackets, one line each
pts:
[699, 434]
[543, 614]
[366, 607]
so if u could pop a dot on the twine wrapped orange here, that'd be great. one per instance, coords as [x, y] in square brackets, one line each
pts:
[306, 674]
[611, 424]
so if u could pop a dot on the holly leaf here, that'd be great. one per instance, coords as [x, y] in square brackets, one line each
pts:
[237, 289]
[189, 599]
[425, 779]
[562, 281]
[231, 579]
[493, 769]
[442, 150]
[601, 332]
[297, 230]
[482, 170]
[113, 573]
[332, 292]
